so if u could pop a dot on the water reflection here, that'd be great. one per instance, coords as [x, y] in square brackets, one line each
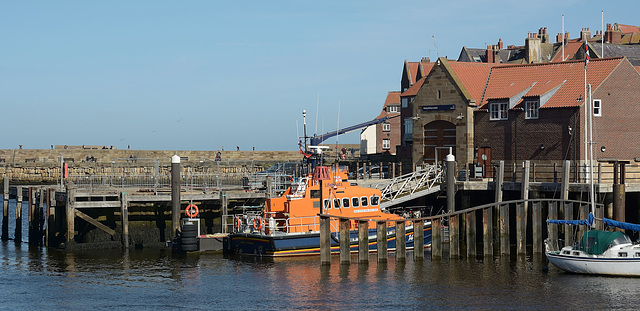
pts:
[158, 278]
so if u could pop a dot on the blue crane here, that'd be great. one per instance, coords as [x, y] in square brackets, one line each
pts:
[317, 139]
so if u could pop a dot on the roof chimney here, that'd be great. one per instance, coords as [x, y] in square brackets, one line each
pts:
[612, 36]
[500, 44]
[533, 49]
[585, 34]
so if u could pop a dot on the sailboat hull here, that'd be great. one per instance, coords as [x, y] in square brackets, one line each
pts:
[623, 266]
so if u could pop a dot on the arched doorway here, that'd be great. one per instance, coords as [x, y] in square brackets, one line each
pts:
[438, 137]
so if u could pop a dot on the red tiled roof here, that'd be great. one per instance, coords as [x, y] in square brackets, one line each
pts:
[504, 81]
[413, 90]
[570, 51]
[426, 67]
[637, 68]
[473, 76]
[393, 97]
[628, 28]
[412, 68]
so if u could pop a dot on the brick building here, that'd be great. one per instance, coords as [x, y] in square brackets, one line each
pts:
[537, 112]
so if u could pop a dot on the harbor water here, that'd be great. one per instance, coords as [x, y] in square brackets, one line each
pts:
[143, 279]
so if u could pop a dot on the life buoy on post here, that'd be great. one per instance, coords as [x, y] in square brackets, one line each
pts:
[237, 223]
[257, 223]
[191, 211]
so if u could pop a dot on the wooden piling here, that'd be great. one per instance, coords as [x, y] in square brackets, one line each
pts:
[487, 231]
[124, 210]
[568, 229]
[553, 228]
[504, 230]
[436, 239]
[381, 230]
[40, 213]
[50, 230]
[363, 241]
[536, 222]
[18, 232]
[583, 211]
[325, 240]
[345, 241]
[454, 237]
[31, 214]
[418, 239]
[70, 212]
[5, 208]
[401, 242]
[599, 215]
[471, 234]
[521, 226]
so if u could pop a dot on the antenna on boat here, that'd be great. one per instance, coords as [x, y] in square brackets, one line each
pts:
[337, 134]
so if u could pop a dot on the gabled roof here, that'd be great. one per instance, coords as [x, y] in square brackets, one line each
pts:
[570, 50]
[472, 77]
[628, 28]
[411, 69]
[413, 90]
[393, 97]
[564, 79]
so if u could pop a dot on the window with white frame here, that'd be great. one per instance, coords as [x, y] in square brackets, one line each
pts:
[597, 108]
[392, 108]
[386, 144]
[386, 127]
[498, 111]
[532, 108]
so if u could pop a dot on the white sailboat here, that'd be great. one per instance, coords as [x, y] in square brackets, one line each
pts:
[597, 252]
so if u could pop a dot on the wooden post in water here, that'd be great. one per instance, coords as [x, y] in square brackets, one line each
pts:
[325, 239]
[41, 215]
[436, 239]
[363, 241]
[401, 242]
[568, 229]
[5, 208]
[50, 231]
[418, 239]
[71, 212]
[499, 181]
[381, 230]
[345, 241]
[454, 237]
[471, 234]
[31, 214]
[536, 222]
[18, 232]
[504, 230]
[487, 231]
[583, 211]
[124, 210]
[599, 215]
[521, 227]
[553, 228]
[175, 196]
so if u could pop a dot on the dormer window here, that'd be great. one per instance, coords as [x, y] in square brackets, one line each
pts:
[532, 108]
[392, 109]
[498, 111]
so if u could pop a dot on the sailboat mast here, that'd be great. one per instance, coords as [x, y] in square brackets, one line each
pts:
[591, 185]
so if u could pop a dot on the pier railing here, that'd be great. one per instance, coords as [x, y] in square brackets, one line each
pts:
[500, 230]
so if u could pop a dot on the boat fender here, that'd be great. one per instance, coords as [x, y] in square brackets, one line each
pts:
[257, 223]
[192, 211]
[237, 223]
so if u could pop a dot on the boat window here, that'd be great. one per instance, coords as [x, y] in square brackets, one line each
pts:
[315, 194]
[326, 204]
[345, 202]
[365, 201]
[637, 254]
[622, 254]
[576, 253]
[566, 252]
[355, 202]
[623, 239]
[336, 203]
[375, 200]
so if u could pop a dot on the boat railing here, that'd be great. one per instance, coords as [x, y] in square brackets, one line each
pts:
[253, 223]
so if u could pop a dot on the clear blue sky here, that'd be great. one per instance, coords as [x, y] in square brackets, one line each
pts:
[199, 75]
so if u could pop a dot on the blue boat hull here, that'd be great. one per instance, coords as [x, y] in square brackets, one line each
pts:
[305, 244]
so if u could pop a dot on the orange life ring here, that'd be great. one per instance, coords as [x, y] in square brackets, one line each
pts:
[191, 211]
[237, 223]
[257, 226]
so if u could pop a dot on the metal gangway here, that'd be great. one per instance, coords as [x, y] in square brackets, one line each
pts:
[423, 181]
